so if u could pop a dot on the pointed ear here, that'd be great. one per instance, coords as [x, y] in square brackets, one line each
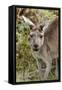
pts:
[28, 21]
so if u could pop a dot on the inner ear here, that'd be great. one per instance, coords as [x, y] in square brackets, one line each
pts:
[41, 27]
[31, 27]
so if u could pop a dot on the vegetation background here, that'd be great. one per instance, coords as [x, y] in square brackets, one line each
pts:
[26, 67]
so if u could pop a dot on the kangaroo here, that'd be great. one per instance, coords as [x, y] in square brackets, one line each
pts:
[43, 40]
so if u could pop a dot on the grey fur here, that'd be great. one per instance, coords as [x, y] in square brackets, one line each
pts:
[47, 46]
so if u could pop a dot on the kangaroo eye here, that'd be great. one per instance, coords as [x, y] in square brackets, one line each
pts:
[40, 36]
[31, 35]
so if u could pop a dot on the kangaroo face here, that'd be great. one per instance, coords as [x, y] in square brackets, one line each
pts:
[36, 39]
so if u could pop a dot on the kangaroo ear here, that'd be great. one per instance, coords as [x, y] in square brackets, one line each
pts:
[28, 21]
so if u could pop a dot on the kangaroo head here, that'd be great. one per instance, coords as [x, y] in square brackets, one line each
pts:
[36, 37]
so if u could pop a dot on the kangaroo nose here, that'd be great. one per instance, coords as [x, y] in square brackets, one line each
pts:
[35, 45]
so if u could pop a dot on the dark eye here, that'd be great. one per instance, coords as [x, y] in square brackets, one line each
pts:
[39, 29]
[40, 36]
[31, 36]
